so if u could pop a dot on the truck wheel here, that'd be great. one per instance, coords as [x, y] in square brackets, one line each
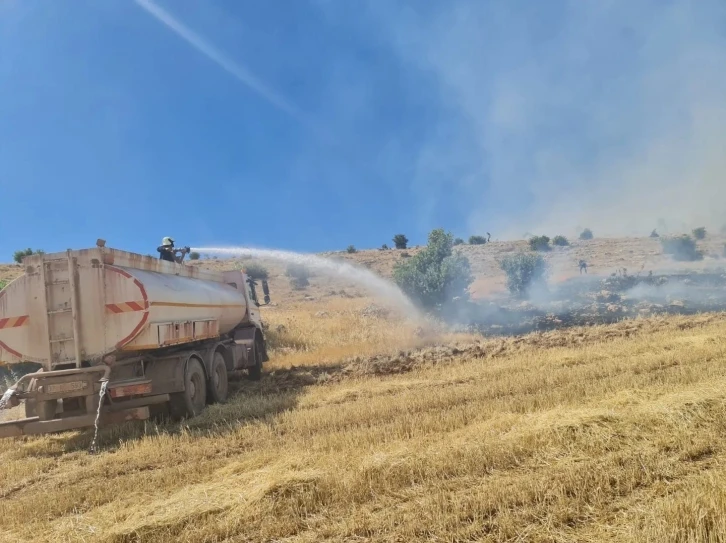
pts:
[192, 400]
[255, 372]
[218, 383]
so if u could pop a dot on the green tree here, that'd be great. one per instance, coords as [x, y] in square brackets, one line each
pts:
[586, 234]
[351, 249]
[256, 271]
[681, 248]
[477, 240]
[458, 241]
[560, 241]
[400, 241]
[19, 255]
[700, 232]
[523, 270]
[435, 275]
[299, 275]
[194, 256]
[539, 243]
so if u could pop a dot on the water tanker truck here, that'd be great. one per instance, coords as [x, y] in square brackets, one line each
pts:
[128, 333]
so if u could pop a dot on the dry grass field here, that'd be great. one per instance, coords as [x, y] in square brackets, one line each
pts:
[363, 430]
[600, 434]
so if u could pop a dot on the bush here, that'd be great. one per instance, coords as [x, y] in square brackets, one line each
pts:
[194, 256]
[400, 241]
[539, 243]
[682, 248]
[560, 241]
[19, 255]
[436, 274]
[458, 241]
[523, 271]
[384, 247]
[351, 249]
[654, 234]
[299, 276]
[700, 232]
[477, 240]
[586, 234]
[256, 271]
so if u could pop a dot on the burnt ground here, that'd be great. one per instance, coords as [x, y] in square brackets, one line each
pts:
[591, 300]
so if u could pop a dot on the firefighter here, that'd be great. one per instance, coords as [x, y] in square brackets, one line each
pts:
[583, 266]
[168, 252]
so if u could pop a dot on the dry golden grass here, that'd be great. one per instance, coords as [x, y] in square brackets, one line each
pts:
[303, 334]
[601, 434]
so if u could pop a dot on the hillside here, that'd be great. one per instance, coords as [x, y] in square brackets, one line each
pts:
[363, 428]
[603, 257]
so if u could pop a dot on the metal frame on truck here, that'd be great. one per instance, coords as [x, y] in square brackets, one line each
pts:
[178, 355]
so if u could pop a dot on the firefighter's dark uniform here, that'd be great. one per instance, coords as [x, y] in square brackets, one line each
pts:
[166, 252]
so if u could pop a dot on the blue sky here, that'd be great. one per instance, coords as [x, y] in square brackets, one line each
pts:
[313, 124]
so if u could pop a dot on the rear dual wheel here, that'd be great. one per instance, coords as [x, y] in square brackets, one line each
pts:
[191, 401]
[218, 384]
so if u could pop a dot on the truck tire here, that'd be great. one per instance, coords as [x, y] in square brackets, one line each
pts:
[191, 401]
[218, 384]
[255, 372]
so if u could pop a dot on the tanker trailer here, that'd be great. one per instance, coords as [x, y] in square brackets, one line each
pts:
[133, 333]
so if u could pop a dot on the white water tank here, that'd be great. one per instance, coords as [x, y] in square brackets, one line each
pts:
[116, 303]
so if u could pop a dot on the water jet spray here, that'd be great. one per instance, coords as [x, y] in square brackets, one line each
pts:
[375, 284]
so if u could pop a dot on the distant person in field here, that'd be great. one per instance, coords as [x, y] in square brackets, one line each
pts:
[583, 266]
[489, 237]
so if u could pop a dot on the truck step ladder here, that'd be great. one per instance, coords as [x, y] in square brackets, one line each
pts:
[60, 278]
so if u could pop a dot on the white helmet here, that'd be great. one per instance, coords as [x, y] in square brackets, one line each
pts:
[167, 241]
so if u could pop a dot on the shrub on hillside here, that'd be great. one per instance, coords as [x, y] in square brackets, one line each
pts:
[400, 241]
[700, 232]
[523, 271]
[560, 241]
[682, 248]
[539, 243]
[436, 274]
[19, 255]
[477, 240]
[654, 234]
[458, 241]
[351, 249]
[384, 247]
[194, 256]
[299, 276]
[586, 234]
[256, 271]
